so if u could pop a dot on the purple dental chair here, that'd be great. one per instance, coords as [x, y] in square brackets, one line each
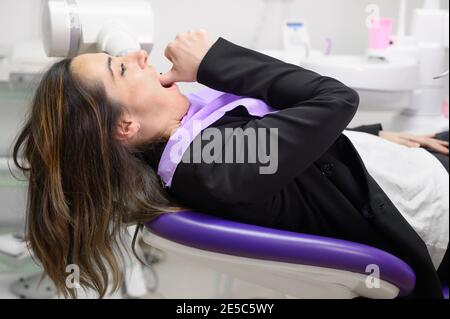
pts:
[294, 264]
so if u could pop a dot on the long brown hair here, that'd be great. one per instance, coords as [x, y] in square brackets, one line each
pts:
[84, 185]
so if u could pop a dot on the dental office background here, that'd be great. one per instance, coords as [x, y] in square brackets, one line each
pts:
[337, 27]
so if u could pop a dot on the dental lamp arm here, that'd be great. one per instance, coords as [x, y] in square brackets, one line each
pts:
[70, 27]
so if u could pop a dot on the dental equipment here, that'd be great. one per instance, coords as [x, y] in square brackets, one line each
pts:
[430, 29]
[297, 44]
[73, 27]
[402, 76]
[440, 76]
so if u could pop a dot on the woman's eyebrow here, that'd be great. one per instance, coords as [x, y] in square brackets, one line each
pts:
[109, 67]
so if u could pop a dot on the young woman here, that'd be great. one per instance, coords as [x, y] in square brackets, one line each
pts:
[99, 126]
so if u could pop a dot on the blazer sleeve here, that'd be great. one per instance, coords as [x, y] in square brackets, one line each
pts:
[373, 129]
[314, 111]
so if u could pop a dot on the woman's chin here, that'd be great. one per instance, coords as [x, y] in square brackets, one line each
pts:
[173, 87]
[174, 91]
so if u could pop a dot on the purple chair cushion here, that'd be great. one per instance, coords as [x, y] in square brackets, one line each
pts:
[210, 233]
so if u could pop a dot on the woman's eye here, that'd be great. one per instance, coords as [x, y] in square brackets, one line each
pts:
[122, 69]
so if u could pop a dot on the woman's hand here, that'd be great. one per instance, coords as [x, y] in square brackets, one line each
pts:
[415, 141]
[186, 53]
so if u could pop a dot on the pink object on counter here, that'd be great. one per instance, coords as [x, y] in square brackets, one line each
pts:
[380, 33]
[445, 108]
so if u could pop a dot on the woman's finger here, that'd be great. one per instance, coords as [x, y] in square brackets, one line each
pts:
[435, 145]
[412, 144]
[169, 54]
[439, 148]
[445, 143]
[168, 78]
[406, 142]
[431, 140]
[427, 140]
[414, 141]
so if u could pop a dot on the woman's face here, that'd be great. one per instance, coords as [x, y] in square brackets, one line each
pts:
[152, 111]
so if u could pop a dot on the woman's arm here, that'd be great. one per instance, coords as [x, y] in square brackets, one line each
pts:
[406, 139]
[314, 112]
[234, 69]
[430, 141]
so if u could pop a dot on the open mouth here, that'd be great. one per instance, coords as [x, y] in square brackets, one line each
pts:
[167, 86]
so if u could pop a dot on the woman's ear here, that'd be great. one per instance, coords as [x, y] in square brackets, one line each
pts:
[127, 130]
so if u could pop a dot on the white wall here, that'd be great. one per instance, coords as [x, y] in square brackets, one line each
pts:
[19, 21]
[237, 20]
[240, 21]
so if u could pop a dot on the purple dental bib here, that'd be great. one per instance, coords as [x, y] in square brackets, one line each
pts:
[206, 107]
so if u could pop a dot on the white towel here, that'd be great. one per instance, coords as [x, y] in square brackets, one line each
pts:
[417, 184]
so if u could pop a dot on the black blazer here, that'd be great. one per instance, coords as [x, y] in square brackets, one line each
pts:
[321, 186]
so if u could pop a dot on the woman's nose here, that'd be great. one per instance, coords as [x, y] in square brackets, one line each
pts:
[140, 57]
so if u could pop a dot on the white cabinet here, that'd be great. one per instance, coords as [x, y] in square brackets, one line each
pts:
[12, 197]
